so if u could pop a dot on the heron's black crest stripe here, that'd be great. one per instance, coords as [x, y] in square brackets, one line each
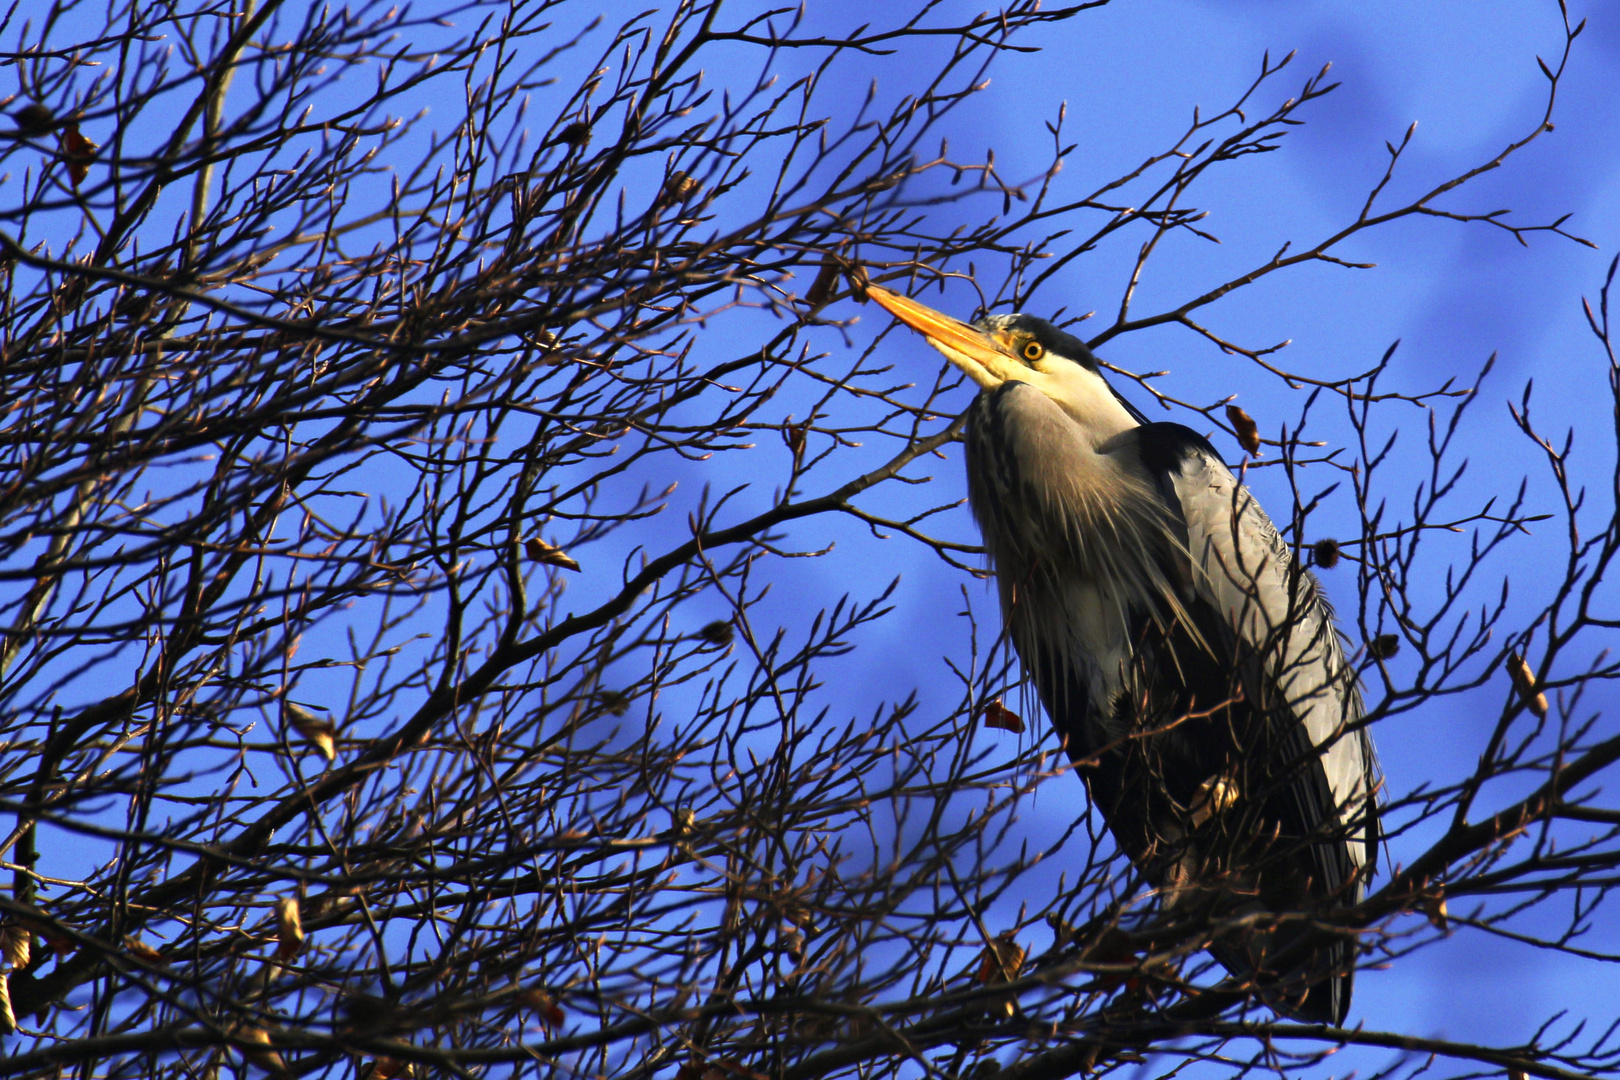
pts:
[1057, 343]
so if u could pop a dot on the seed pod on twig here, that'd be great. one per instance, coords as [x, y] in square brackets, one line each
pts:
[1325, 553]
[720, 632]
[34, 119]
[576, 135]
[1383, 646]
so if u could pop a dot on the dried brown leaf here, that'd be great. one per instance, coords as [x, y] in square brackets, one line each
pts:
[998, 716]
[551, 1013]
[821, 289]
[542, 552]
[78, 152]
[1248, 432]
[289, 928]
[1524, 681]
[140, 950]
[256, 1050]
[318, 731]
[1214, 796]
[16, 944]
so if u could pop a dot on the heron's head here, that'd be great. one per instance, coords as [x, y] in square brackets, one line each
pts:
[1019, 348]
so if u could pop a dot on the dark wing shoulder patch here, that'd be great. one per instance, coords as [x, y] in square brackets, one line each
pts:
[1164, 446]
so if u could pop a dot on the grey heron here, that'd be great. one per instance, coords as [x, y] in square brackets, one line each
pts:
[1191, 667]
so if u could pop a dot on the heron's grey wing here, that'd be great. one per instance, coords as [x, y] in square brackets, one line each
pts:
[1245, 572]
[1282, 627]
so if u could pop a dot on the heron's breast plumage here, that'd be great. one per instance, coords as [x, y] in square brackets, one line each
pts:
[1078, 538]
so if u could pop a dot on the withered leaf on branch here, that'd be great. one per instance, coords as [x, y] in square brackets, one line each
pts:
[1524, 681]
[318, 731]
[680, 186]
[256, 1050]
[1214, 796]
[542, 552]
[1000, 962]
[16, 944]
[1001, 959]
[78, 152]
[1248, 432]
[289, 928]
[821, 289]
[551, 1013]
[143, 952]
[998, 716]
[8, 1018]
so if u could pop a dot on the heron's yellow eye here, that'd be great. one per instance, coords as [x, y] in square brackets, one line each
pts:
[1033, 351]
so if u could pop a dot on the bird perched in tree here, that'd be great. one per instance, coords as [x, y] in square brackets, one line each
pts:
[1190, 666]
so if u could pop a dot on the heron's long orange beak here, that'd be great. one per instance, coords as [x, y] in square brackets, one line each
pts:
[970, 349]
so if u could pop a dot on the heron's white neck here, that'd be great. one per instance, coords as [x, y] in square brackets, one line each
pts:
[1087, 399]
